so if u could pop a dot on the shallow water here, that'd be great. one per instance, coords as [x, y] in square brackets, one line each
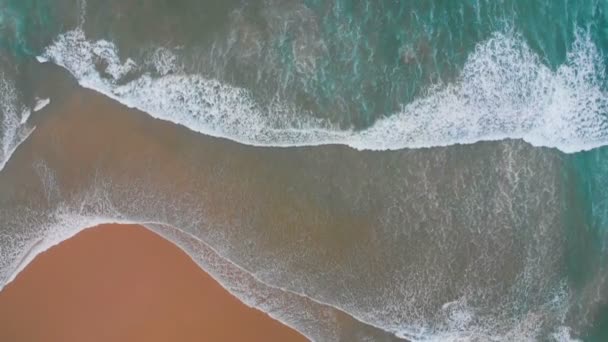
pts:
[430, 169]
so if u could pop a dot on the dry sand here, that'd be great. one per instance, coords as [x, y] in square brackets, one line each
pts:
[126, 283]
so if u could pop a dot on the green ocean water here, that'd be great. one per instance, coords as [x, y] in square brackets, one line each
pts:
[587, 216]
[354, 63]
[350, 61]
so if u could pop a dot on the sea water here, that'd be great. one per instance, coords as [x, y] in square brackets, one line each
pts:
[461, 248]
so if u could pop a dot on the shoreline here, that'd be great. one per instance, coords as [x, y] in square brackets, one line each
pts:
[151, 238]
[168, 233]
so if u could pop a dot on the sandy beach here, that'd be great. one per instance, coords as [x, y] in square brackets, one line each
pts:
[91, 153]
[92, 157]
[126, 283]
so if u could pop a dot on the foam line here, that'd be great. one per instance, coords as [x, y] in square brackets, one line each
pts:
[504, 91]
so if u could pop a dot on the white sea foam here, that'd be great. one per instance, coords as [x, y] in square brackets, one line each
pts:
[40, 104]
[37, 228]
[13, 127]
[93, 206]
[504, 91]
[312, 319]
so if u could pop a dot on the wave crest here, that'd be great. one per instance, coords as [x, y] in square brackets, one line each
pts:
[504, 91]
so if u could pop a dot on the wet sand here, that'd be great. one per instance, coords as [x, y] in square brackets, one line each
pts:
[357, 230]
[126, 283]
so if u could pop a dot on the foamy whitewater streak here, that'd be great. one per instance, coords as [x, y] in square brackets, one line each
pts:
[45, 205]
[31, 234]
[311, 316]
[13, 127]
[316, 321]
[504, 91]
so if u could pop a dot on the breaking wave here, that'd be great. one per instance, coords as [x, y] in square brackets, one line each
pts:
[504, 91]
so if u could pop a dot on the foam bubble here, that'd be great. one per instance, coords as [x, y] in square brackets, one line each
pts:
[504, 91]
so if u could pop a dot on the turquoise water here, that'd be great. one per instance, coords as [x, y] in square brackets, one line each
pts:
[356, 65]
[25, 24]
